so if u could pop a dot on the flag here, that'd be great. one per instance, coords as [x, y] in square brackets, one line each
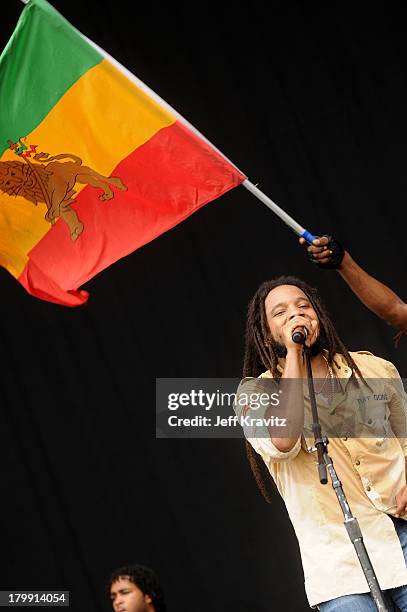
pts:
[92, 164]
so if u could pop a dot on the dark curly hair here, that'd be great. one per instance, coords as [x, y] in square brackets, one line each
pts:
[146, 580]
[260, 355]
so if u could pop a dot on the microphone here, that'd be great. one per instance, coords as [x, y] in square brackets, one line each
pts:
[300, 335]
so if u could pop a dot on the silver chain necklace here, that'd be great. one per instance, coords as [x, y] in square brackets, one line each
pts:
[331, 390]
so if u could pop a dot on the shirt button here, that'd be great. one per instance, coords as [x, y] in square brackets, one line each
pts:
[357, 462]
[368, 488]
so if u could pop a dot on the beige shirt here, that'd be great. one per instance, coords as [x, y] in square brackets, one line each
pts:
[371, 469]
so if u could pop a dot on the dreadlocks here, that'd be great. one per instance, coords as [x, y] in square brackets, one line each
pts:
[260, 355]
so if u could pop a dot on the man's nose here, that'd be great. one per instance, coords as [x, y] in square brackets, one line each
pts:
[295, 312]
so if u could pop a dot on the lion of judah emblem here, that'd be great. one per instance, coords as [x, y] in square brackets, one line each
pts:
[53, 183]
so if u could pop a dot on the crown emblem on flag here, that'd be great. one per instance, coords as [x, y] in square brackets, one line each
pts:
[21, 149]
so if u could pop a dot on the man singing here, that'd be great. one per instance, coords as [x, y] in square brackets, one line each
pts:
[371, 468]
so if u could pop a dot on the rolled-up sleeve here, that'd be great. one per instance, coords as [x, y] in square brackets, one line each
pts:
[270, 453]
[249, 411]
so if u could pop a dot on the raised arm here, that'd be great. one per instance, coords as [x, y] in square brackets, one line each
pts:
[379, 298]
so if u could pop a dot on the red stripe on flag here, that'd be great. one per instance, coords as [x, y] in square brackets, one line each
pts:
[167, 179]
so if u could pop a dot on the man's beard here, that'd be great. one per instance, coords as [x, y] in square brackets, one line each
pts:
[319, 345]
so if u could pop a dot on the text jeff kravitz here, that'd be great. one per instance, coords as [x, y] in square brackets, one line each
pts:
[230, 421]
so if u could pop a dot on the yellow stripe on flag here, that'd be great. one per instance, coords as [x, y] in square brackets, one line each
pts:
[102, 118]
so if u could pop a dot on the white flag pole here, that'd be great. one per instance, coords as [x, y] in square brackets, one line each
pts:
[296, 227]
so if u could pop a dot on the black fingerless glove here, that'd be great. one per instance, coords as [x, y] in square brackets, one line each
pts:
[335, 259]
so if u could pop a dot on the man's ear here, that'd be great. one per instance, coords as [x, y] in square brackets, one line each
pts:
[148, 599]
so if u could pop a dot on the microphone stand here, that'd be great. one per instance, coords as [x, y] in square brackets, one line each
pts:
[324, 463]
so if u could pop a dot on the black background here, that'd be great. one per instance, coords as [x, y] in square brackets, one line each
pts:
[309, 100]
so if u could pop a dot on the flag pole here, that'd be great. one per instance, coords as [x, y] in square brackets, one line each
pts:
[296, 227]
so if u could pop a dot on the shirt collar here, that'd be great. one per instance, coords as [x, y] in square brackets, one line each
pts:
[341, 370]
[340, 366]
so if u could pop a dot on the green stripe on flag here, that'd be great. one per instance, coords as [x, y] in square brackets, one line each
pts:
[44, 57]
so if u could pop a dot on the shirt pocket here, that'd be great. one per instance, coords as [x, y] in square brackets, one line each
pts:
[372, 418]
